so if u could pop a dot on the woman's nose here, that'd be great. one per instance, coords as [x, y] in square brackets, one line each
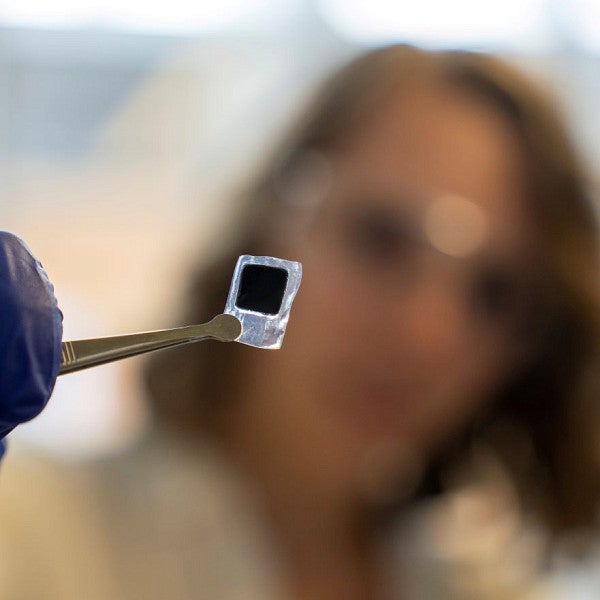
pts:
[432, 315]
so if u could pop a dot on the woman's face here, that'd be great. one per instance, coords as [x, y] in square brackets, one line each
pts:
[408, 313]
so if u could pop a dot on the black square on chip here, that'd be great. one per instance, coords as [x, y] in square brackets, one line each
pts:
[261, 289]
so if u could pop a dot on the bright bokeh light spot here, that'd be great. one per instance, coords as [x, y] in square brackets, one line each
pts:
[178, 16]
[455, 226]
[439, 23]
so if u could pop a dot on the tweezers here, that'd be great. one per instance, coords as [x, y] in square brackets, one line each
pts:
[81, 354]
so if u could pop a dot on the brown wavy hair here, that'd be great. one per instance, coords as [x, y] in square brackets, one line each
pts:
[544, 422]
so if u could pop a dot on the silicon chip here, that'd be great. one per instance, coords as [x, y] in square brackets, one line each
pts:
[262, 289]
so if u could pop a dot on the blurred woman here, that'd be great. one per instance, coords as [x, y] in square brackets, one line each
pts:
[441, 356]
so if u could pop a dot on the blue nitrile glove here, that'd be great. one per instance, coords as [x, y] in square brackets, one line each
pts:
[30, 335]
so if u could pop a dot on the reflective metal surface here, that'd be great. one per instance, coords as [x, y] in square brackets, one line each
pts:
[81, 354]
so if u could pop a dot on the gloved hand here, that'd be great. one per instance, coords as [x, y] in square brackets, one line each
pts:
[30, 335]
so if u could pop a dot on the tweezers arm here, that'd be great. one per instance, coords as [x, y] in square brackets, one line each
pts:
[80, 354]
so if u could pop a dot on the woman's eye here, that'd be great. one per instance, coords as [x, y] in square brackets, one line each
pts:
[378, 237]
[496, 294]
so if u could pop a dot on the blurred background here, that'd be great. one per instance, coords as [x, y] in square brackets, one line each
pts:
[126, 129]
